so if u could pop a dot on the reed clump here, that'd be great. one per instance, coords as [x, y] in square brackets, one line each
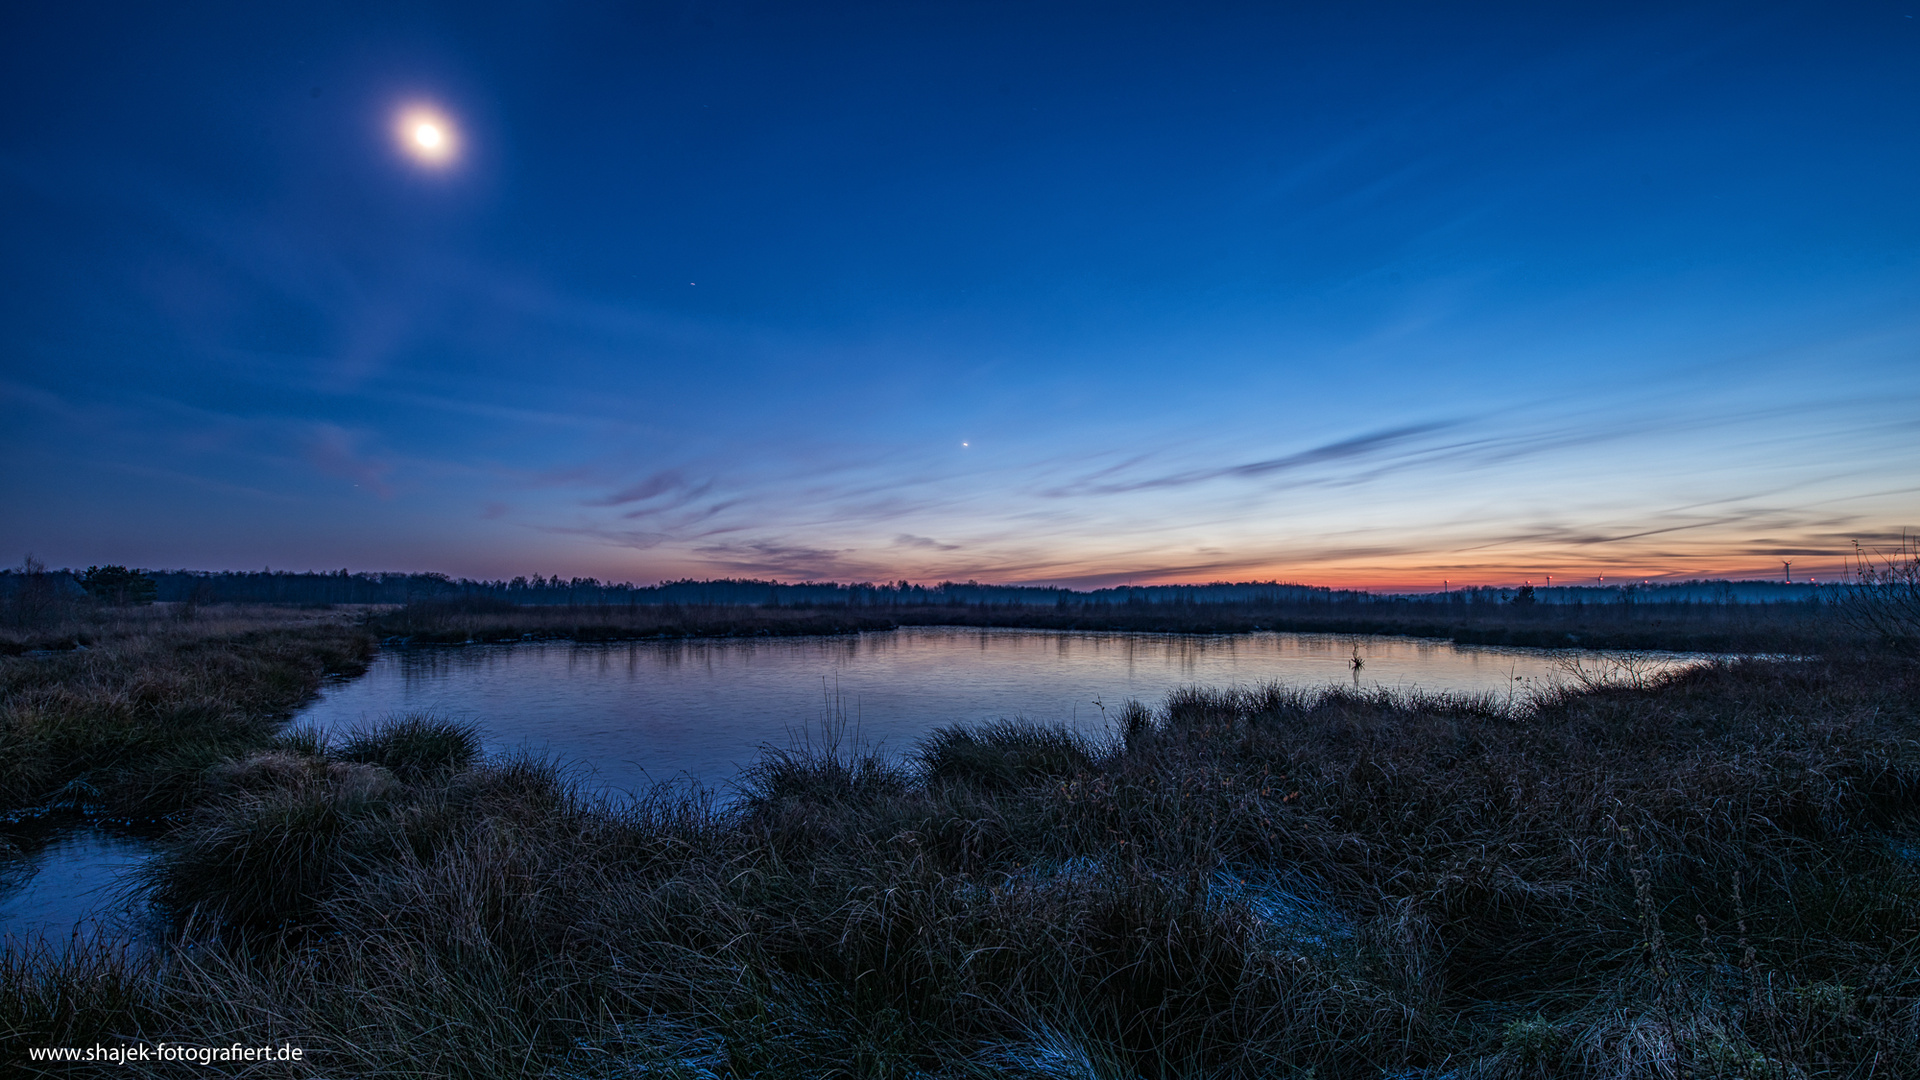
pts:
[414, 745]
[293, 821]
[1004, 754]
[1709, 874]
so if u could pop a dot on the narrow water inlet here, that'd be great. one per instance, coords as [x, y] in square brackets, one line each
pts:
[64, 880]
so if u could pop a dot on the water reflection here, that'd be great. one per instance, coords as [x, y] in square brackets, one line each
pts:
[637, 712]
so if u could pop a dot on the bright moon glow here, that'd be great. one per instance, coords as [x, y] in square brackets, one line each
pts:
[427, 136]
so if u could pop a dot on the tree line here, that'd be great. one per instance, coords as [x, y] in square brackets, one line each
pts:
[120, 585]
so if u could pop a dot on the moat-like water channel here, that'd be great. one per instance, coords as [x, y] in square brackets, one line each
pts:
[627, 715]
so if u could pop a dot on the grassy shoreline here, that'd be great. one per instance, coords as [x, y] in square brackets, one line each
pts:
[121, 711]
[1712, 875]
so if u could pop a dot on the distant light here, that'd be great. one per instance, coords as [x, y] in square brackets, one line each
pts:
[427, 135]
[966, 444]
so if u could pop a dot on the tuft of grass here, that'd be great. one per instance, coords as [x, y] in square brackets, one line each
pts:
[784, 783]
[1003, 754]
[414, 745]
[1533, 1042]
[265, 856]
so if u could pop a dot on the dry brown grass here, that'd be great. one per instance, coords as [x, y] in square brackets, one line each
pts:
[124, 708]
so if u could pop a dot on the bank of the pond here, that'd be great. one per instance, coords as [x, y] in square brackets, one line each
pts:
[128, 720]
[1699, 877]
[110, 719]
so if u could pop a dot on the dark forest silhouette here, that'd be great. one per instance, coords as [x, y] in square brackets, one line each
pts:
[344, 587]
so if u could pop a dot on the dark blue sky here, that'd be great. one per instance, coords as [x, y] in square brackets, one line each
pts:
[1360, 293]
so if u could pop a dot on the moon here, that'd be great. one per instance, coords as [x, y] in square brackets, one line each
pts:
[427, 135]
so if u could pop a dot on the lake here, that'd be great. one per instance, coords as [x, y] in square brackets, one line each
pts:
[627, 715]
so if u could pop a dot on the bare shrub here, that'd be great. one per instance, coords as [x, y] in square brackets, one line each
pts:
[1881, 599]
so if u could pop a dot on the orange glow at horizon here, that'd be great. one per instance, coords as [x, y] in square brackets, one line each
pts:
[1420, 579]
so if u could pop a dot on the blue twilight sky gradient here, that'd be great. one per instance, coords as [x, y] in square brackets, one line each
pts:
[1346, 293]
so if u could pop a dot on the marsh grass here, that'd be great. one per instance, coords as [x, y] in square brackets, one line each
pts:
[1707, 874]
[73, 993]
[128, 716]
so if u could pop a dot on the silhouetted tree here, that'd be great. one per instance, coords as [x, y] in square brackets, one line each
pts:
[35, 599]
[118, 585]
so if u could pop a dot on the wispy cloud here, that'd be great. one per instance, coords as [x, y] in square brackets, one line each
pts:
[335, 451]
[637, 539]
[1360, 447]
[653, 486]
[788, 560]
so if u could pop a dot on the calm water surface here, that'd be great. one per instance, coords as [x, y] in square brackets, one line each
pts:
[635, 713]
